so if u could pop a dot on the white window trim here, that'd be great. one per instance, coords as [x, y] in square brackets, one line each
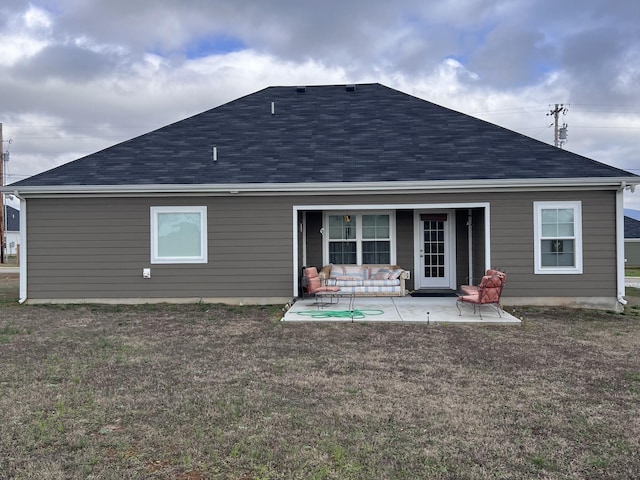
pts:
[358, 240]
[577, 236]
[202, 258]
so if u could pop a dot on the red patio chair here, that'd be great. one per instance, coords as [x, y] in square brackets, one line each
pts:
[488, 293]
[473, 289]
[313, 286]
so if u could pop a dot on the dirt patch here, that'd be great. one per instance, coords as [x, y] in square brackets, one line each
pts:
[212, 391]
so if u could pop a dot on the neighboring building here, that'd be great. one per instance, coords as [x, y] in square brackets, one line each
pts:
[12, 230]
[632, 242]
[230, 204]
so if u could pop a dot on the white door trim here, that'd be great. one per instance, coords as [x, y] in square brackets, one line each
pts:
[449, 281]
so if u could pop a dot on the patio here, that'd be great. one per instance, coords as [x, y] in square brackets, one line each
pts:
[395, 309]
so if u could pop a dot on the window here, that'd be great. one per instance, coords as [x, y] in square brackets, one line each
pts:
[178, 234]
[558, 237]
[342, 239]
[359, 238]
[376, 243]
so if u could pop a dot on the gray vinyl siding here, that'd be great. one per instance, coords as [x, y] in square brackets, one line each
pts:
[314, 240]
[512, 245]
[479, 261]
[462, 248]
[404, 243]
[97, 247]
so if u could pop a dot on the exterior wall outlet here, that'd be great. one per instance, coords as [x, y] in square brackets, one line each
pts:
[146, 273]
[408, 274]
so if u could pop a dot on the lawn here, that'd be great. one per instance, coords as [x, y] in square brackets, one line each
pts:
[632, 272]
[217, 392]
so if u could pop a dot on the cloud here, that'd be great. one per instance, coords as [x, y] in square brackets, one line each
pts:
[23, 34]
[72, 63]
[512, 57]
[582, 51]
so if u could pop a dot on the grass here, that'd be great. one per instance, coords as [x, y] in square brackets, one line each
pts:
[632, 272]
[8, 287]
[216, 392]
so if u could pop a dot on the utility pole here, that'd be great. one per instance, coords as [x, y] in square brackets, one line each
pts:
[2, 214]
[559, 133]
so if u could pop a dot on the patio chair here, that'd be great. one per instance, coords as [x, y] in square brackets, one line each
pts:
[313, 286]
[473, 289]
[487, 293]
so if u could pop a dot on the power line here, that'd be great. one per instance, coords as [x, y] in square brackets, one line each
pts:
[607, 112]
[506, 111]
[606, 128]
[539, 108]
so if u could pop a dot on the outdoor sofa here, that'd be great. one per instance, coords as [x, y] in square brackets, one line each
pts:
[366, 280]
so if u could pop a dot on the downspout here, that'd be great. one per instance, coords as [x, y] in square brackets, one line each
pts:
[470, 246]
[23, 247]
[620, 243]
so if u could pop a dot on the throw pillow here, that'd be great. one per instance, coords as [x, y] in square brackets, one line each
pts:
[382, 274]
[396, 274]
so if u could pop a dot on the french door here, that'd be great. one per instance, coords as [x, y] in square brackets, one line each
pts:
[435, 248]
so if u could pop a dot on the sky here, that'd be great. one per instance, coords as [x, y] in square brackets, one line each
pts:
[77, 76]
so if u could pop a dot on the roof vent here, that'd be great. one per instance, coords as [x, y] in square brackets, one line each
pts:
[301, 89]
[350, 88]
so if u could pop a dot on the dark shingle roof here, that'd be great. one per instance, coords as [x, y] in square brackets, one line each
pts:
[324, 134]
[631, 228]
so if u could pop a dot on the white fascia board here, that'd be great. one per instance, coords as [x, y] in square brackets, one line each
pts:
[328, 187]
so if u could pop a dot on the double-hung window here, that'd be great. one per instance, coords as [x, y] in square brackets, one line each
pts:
[558, 237]
[362, 238]
[376, 239]
[178, 234]
[343, 245]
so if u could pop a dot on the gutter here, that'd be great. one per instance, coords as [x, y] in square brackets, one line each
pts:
[327, 187]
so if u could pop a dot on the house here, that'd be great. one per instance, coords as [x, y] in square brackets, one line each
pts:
[632, 242]
[11, 229]
[229, 205]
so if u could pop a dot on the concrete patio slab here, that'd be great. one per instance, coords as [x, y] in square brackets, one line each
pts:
[395, 309]
[632, 282]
